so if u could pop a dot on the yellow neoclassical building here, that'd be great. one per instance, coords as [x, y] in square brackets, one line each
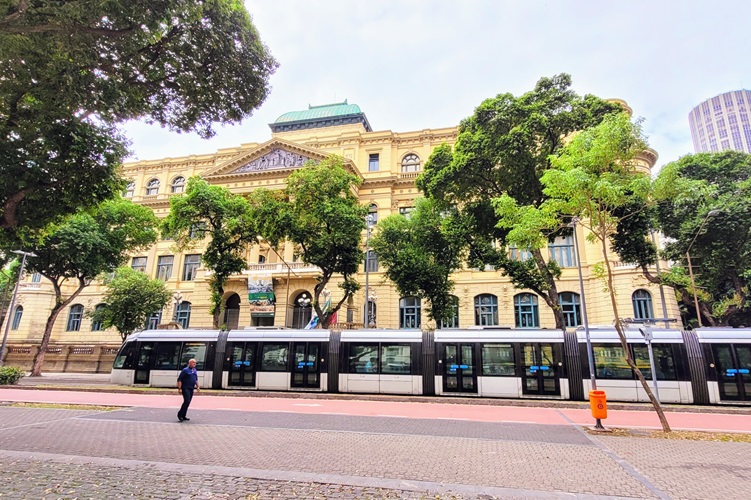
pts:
[388, 164]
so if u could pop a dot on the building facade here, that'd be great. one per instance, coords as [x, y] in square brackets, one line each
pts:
[722, 122]
[388, 164]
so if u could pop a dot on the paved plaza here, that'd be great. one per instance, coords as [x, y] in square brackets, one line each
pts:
[141, 451]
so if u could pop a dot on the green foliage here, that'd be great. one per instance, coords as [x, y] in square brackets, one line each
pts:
[421, 252]
[130, 299]
[705, 204]
[9, 375]
[213, 211]
[495, 169]
[83, 246]
[74, 70]
[319, 213]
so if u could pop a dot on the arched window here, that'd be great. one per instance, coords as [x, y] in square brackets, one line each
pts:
[373, 212]
[130, 189]
[409, 312]
[526, 311]
[570, 306]
[178, 184]
[232, 312]
[302, 311]
[261, 259]
[96, 324]
[486, 310]
[152, 187]
[411, 163]
[454, 321]
[182, 315]
[642, 301]
[74, 318]
[371, 261]
[17, 318]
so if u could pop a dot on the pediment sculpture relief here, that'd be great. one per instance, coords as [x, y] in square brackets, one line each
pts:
[277, 158]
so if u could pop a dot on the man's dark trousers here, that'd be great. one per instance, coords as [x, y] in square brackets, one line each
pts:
[187, 396]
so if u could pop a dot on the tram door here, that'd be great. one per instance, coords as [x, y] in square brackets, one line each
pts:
[242, 364]
[540, 370]
[459, 369]
[144, 360]
[306, 371]
[733, 363]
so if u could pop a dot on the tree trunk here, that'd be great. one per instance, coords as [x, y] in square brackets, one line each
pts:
[624, 342]
[551, 295]
[36, 370]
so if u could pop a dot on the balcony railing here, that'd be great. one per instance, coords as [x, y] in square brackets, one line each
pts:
[281, 268]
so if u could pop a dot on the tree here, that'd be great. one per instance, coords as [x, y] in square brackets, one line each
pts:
[130, 299]
[705, 204]
[8, 278]
[504, 149]
[593, 177]
[206, 210]
[83, 246]
[73, 70]
[421, 252]
[319, 213]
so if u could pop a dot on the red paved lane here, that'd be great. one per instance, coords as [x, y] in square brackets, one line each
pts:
[476, 413]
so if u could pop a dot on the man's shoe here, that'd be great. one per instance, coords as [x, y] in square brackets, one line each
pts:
[186, 418]
[180, 419]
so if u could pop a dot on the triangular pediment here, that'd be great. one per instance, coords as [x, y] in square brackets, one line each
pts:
[271, 157]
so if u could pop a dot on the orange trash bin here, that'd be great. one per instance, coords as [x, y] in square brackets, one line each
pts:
[598, 404]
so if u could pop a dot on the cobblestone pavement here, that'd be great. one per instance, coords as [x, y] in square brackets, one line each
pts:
[145, 453]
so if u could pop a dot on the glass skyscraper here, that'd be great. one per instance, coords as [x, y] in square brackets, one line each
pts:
[722, 123]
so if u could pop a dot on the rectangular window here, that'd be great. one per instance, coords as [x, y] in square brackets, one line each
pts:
[405, 211]
[193, 350]
[274, 357]
[190, 267]
[664, 362]
[139, 264]
[562, 251]
[610, 362]
[164, 267]
[167, 355]
[396, 359]
[373, 162]
[519, 255]
[371, 262]
[36, 278]
[363, 358]
[498, 359]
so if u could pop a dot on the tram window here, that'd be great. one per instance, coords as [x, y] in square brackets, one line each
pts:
[610, 362]
[498, 359]
[125, 357]
[396, 359]
[664, 362]
[167, 354]
[363, 358]
[274, 357]
[193, 350]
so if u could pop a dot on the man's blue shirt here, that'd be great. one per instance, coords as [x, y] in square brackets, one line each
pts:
[189, 377]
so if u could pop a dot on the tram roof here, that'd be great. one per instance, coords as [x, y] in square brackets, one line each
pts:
[498, 335]
[724, 335]
[608, 333]
[381, 335]
[316, 335]
[174, 335]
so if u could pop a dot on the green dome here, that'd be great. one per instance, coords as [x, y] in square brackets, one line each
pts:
[318, 112]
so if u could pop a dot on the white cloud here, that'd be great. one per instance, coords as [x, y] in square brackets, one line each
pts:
[414, 64]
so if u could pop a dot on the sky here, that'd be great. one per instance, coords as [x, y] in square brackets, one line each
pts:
[417, 64]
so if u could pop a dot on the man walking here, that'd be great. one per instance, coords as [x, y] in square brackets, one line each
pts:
[187, 381]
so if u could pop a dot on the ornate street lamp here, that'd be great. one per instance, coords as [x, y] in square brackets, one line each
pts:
[372, 299]
[178, 298]
[366, 311]
[10, 312]
[711, 213]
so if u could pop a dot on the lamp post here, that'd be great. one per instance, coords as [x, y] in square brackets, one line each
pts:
[10, 313]
[711, 213]
[372, 299]
[646, 332]
[368, 226]
[178, 298]
[585, 322]
[662, 290]
[304, 301]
